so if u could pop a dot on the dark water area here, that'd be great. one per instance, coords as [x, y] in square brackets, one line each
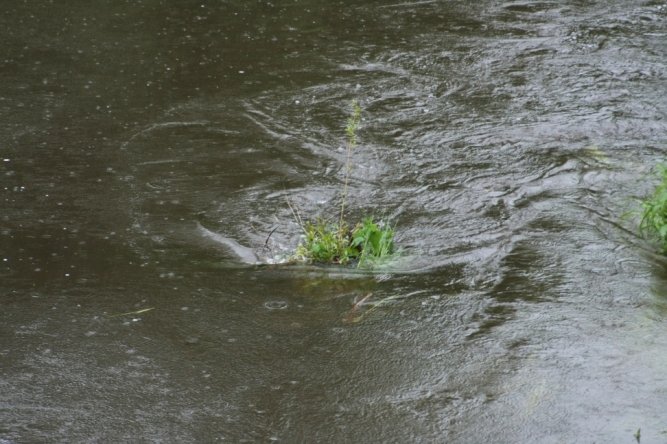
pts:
[507, 141]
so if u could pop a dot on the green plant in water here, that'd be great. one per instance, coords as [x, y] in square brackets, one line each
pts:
[325, 242]
[329, 242]
[334, 243]
[654, 211]
[373, 241]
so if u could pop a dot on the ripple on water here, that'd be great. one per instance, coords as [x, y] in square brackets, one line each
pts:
[276, 305]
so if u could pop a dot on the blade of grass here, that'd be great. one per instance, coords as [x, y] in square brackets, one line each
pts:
[143, 310]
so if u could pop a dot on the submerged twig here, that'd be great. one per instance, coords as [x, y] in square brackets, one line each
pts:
[361, 302]
[350, 318]
[266, 242]
[350, 314]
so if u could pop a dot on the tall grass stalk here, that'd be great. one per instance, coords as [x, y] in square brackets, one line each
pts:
[351, 130]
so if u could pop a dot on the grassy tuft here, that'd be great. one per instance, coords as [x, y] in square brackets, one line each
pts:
[326, 242]
[335, 242]
[654, 212]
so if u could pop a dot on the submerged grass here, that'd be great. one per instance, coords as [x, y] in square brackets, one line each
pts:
[335, 242]
[654, 211]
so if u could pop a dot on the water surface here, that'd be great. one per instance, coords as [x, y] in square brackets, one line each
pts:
[505, 141]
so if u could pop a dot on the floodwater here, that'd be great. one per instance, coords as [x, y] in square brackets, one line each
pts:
[507, 141]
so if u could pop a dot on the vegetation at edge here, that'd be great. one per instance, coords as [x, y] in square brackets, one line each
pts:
[654, 212]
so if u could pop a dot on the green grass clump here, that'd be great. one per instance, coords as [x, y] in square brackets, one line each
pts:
[335, 242]
[325, 242]
[373, 240]
[654, 212]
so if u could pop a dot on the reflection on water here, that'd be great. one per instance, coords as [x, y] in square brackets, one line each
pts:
[504, 140]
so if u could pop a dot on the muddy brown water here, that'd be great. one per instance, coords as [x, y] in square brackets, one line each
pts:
[505, 140]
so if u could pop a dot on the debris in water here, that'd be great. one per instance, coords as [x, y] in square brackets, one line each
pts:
[143, 310]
